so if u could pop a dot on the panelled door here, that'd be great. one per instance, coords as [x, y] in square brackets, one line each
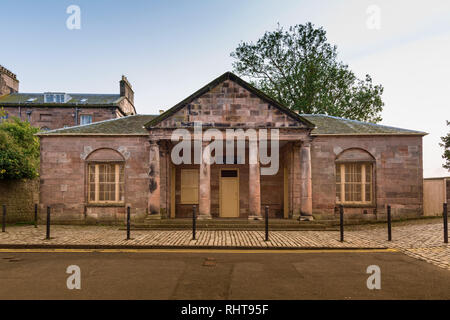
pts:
[229, 193]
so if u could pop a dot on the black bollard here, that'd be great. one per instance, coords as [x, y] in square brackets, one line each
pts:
[128, 223]
[341, 221]
[445, 216]
[48, 224]
[4, 219]
[267, 223]
[35, 215]
[389, 223]
[194, 218]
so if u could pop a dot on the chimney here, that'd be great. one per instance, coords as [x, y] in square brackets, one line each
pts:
[126, 90]
[8, 81]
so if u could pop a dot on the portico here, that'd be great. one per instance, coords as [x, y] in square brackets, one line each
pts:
[230, 150]
[230, 190]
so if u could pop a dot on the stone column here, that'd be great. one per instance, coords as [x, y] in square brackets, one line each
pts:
[154, 200]
[254, 187]
[296, 180]
[204, 201]
[306, 182]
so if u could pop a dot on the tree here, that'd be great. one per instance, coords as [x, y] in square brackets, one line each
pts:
[299, 68]
[19, 150]
[446, 145]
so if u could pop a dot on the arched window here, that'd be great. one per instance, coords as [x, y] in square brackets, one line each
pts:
[105, 177]
[355, 177]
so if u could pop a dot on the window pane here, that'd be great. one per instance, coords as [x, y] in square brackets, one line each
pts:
[368, 173]
[353, 182]
[85, 119]
[91, 182]
[368, 192]
[121, 186]
[357, 192]
[106, 185]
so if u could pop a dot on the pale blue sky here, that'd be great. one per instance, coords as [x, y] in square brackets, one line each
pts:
[169, 49]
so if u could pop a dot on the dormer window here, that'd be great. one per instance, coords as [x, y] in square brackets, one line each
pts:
[55, 97]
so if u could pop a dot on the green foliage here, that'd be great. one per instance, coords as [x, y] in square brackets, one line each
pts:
[299, 68]
[19, 150]
[446, 145]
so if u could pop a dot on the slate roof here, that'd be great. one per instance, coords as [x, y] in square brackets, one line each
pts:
[130, 125]
[93, 99]
[325, 125]
[329, 125]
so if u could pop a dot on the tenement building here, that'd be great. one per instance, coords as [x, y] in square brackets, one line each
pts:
[52, 110]
[230, 151]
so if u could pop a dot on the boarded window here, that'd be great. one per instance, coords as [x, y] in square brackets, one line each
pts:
[189, 186]
[106, 183]
[354, 183]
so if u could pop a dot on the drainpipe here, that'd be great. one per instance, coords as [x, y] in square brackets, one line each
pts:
[77, 110]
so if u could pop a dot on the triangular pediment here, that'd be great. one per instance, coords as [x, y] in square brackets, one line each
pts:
[229, 102]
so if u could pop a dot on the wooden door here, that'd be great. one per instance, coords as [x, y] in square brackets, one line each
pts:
[229, 193]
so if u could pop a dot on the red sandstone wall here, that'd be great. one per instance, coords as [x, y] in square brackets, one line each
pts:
[230, 105]
[63, 177]
[398, 174]
[54, 117]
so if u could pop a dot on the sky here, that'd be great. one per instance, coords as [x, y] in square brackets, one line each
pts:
[169, 49]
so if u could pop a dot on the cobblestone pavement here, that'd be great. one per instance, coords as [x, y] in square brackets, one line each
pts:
[421, 241]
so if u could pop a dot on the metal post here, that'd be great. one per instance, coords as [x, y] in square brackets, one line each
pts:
[445, 216]
[267, 223]
[35, 215]
[4, 219]
[389, 223]
[341, 221]
[128, 223]
[194, 218]
[48, 223]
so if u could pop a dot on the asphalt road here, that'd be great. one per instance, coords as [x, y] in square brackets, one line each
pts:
[219, 275]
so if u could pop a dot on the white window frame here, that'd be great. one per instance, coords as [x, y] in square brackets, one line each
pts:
[85, 115]
[364, 167]
[117, 183]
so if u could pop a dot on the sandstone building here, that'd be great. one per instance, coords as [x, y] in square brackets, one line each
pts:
[93, 172]
[52, 110]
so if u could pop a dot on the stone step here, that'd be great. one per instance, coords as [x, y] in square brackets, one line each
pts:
[235, 227]
[236, 224]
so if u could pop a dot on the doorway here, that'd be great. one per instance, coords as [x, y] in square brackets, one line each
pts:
[229, 193]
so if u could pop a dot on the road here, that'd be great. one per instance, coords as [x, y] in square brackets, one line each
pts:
[214, 274]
